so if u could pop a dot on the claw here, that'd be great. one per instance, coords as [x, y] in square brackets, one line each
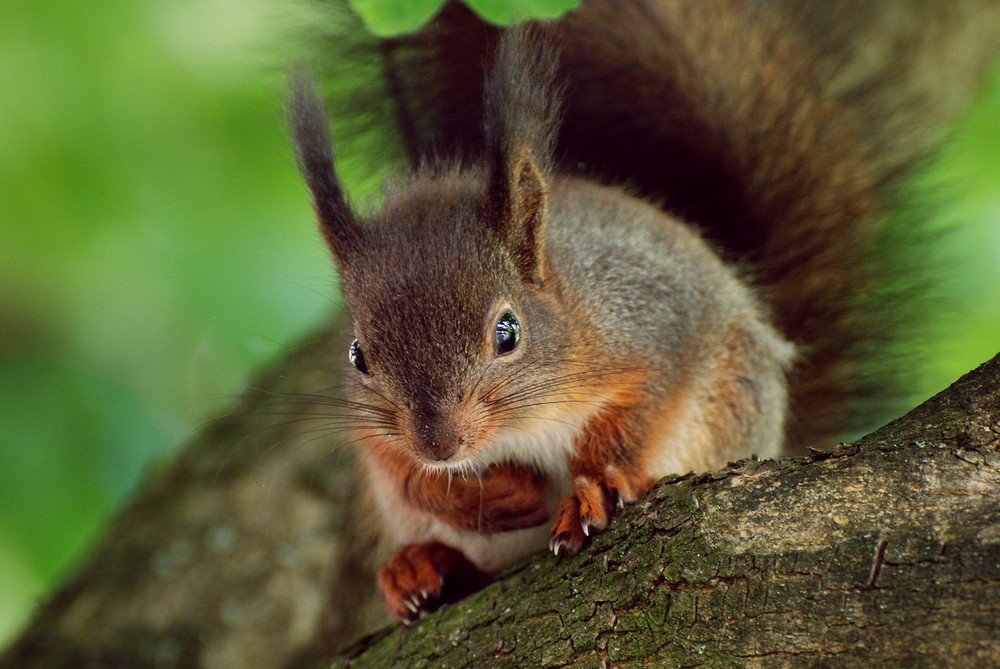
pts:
[412, 580]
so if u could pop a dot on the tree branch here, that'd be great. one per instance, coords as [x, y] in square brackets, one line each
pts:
[885, 552]
[239, 553]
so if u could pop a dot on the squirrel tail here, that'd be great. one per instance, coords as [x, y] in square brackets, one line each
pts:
[782, 130]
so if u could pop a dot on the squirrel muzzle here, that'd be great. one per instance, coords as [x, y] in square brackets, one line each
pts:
[436, 435]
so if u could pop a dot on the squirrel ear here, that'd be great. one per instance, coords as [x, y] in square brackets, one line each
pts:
[521, 108]
[309, 125]
[519, 194]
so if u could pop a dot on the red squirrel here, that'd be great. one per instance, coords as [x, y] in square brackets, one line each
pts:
[547, 313]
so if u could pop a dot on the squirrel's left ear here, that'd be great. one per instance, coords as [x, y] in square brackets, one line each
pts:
[519, 198]
[522, 105]
[310, 131]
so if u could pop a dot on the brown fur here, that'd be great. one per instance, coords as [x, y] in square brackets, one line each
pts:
[779, 128]
[642, 351]
[500, 499]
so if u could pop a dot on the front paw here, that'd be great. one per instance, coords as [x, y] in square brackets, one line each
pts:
[511, 498]
[420, 577]
[501, 499]
[588, 509]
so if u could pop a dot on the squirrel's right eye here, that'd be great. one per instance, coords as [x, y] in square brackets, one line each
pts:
[357, 358]
[507, 334]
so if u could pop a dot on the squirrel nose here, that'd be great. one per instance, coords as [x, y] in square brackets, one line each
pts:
[438, 439]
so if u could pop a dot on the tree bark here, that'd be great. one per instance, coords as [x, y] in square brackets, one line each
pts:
[225, 556]
[239, 553]
[882, 553]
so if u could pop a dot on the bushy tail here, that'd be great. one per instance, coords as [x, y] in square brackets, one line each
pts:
[781, 129]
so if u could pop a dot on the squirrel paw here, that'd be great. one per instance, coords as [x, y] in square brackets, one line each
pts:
[505, 498]
[501, 499]
[587, 510]
[421, 577]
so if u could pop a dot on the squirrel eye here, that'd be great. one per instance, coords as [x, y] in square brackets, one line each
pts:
[507, 334]
[357, 358]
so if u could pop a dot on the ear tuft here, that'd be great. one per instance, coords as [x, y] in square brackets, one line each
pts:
[524, 216]
[522, 108]
[306, 117]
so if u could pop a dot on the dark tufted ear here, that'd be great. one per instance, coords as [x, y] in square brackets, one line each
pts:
[522, 106]
[309, 125]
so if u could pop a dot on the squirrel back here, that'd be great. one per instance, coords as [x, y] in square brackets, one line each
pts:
[771, 127]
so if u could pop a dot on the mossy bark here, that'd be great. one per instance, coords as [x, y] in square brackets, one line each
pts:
[884, 551]
[224, 557]
[881, 553]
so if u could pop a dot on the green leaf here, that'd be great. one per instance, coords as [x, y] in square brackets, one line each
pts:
[387, 18]
[506, 12]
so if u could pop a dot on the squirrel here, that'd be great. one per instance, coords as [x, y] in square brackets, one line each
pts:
[639, 240]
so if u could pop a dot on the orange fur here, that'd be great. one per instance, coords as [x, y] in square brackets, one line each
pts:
[500, 499]
[719, 112]
[608, 469]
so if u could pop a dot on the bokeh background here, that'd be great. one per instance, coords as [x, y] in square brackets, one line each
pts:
[156, 247]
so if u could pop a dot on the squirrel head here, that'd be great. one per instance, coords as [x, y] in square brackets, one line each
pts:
[448, 286]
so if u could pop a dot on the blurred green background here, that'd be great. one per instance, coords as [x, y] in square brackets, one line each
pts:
[156, 247]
